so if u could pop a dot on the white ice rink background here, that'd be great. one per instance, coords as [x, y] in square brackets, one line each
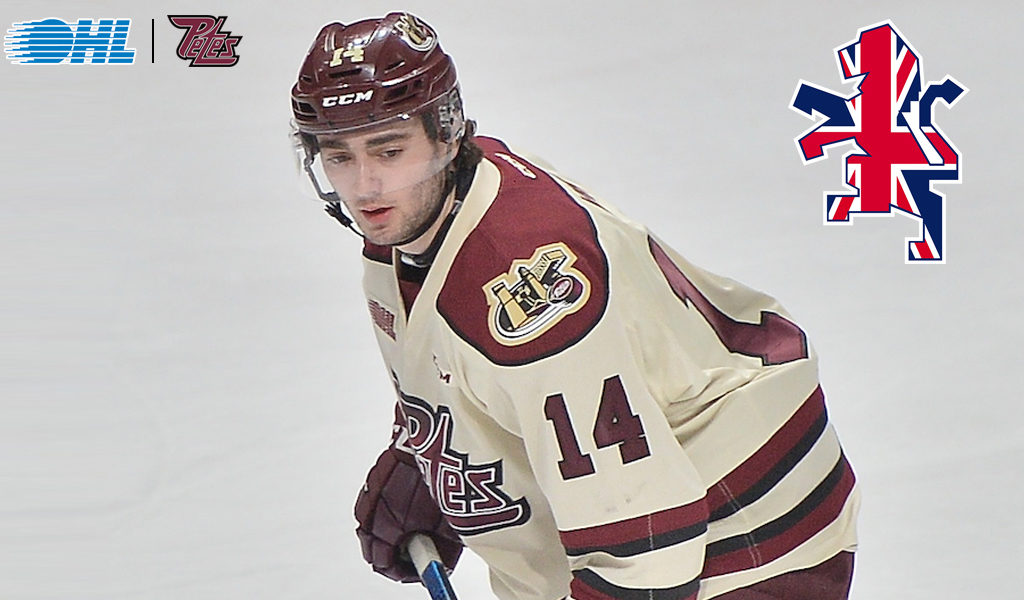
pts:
[190, 394]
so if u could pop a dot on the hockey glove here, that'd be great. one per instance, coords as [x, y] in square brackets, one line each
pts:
[393, 505]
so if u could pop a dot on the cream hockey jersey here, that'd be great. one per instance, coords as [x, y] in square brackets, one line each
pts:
[597, 417]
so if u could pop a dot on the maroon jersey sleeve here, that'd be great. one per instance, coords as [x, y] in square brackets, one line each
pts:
[533, 265]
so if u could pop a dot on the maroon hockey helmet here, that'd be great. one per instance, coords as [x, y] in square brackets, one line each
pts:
[375, 71]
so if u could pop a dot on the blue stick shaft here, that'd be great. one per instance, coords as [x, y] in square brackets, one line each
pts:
[436, 581]
[432, 573]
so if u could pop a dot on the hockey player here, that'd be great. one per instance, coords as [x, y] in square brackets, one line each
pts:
[593, 415]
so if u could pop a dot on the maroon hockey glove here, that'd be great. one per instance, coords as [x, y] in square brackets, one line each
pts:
[394, 504]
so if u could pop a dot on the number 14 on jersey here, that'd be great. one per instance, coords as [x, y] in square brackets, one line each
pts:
[615, 425]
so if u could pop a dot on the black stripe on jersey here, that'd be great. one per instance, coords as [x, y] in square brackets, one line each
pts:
[762, 469]
[655, 542]
[587, 585]
[786, 522]
[776, 473]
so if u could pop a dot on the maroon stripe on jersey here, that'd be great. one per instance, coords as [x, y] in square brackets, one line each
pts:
[527, 213]
[829, 580]
[409, 291]
[753, 478]
[381, 254]
[774, 539]
[774, 339]
[587, 585]
[639, 534]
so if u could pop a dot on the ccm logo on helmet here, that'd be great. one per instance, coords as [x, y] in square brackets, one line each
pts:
[347, 98]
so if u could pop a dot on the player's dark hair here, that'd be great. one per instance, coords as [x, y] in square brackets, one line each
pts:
[469, 155]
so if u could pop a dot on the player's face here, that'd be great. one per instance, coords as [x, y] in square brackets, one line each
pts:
[390, 178]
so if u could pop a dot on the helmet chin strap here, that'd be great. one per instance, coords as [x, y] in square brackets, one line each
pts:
[334, 209]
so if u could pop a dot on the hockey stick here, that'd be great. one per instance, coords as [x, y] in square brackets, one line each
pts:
[428, 564]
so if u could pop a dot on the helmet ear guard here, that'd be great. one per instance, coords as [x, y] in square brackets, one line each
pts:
[450, 118]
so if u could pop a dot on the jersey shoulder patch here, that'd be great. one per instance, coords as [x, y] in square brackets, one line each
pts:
[531, 279]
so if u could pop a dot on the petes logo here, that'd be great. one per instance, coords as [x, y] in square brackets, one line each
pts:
[416, 33]
[898, 152]
[53, 41]
[469, 495]
[204, 44]
[535, 295]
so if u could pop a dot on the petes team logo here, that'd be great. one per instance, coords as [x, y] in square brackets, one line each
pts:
[204, 44]
[535, 294]
[897, 150]
[84, 42]
[469, 495]
[416, 33]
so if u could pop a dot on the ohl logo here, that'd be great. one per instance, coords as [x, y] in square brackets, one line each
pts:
[53, 41]
[535, 294]
[897, 150]
[469, 495]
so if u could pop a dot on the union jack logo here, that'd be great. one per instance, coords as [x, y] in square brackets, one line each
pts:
[897, 150]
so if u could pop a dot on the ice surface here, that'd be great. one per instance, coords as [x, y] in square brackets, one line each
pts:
[191, 394]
